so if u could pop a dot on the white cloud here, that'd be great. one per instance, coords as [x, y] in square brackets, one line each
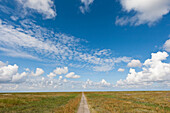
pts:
[155, 71]
[134, 63]
[100, 63]
[64, 49]
[14, 18]
[103, 82]
[58, 71]
[72, 75]
[13, 53]
[9, 73]
[121, 70]
[38, 72]
[122, 59]
[27, 69]
[167, 45]
[105, 52]
[51, 75]
[65, 80]
[45, 7]
[19, 77]
[18, 39]
[42, 78]
[2, 64]
[85, 7]
[60, 77]
[146, 11]
[103, 68]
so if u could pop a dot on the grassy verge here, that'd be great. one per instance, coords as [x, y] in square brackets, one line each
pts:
[39, 102]
[129, 102]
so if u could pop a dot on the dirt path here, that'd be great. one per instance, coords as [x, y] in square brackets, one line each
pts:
[83, 108]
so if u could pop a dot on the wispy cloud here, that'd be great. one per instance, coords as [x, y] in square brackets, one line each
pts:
[44, 43]
[85, 7]
[166, 46]
[13, 53]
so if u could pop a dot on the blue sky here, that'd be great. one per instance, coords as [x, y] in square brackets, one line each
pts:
[71, 45]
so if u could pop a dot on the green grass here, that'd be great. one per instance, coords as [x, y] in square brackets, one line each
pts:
[129, 102]
[99, 102]
[39, 102]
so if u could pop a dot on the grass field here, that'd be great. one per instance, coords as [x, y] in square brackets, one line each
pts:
[129, 102]
[39, 102]
[99, 102]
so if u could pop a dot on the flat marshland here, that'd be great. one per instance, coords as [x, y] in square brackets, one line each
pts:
[39, 102]
[129, 102]
[98, 102]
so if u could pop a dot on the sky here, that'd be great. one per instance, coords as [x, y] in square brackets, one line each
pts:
[84, 45]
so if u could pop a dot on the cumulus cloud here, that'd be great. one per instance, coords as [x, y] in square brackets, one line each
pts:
[38, 72]
[51, 75]
[72, 75]
[45, 7]
[58, 71]
[27, 69]
[105, 83]
[154, 71]
[9, 73]
[121, 70]
[65, 80]
[134, 63]
[145, 11]
[19, 77]
[60, 77]
[167, 45]
[85, 7]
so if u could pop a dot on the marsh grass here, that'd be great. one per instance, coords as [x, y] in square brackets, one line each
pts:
[129, 102]
[39, 102]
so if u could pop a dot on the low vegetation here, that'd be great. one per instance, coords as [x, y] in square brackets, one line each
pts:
[39, 102]
[129, 102]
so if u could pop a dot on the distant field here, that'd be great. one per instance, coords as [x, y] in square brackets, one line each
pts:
[129, 102]
[39, 102]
